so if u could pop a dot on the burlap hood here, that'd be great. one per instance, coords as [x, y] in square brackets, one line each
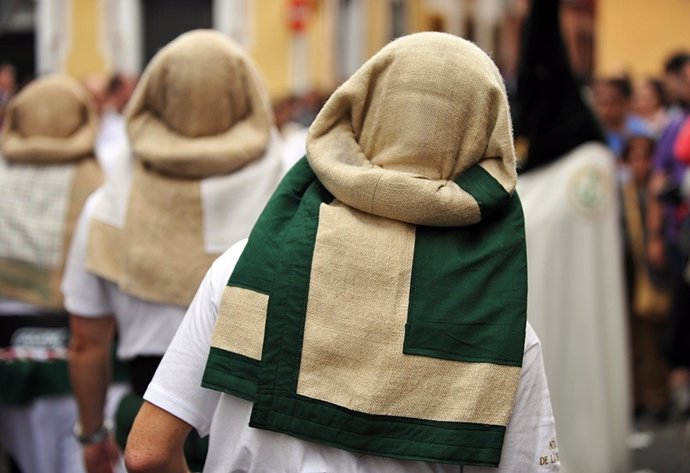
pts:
[372, 149]
[200, 109]
[51, 120]
[202, 165]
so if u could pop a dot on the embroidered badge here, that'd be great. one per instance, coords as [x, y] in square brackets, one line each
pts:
[588, 190]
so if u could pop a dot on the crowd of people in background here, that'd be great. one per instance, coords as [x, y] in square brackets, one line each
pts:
[647, 124]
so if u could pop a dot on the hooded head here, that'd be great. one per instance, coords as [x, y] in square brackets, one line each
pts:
[551, 116]
[418, 114]
[51, 120]
[200, 108]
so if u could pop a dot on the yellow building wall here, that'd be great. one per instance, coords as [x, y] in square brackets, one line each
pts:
[320, 34]
[639, 34]
[85, 55]
[377, 26]
[271, 45]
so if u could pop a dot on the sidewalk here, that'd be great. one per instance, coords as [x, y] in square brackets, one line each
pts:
[661, 448]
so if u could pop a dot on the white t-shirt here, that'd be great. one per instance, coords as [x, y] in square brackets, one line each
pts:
[529, 445]
[144, 328]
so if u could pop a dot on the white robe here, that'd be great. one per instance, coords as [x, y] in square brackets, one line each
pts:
[576, 305]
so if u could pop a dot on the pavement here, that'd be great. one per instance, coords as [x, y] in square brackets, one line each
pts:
[661, 447]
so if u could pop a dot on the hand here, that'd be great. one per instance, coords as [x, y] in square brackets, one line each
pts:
[101, 457]
[656, 253]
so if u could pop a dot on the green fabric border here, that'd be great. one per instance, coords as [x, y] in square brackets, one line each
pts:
[255, 270]
[468, 291]
[287, 305]
[231, 373]
[402, 438]
[24, 380]
[487, 191]
[282, 244]
[256, 266]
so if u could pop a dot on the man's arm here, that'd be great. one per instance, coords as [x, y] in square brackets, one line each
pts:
[156, 442]
[89, 369]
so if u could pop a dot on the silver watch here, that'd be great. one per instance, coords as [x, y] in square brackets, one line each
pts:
[97, 437]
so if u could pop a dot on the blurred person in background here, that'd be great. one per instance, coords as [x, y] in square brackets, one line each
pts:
[648, 290]
[576, 296]
[612, 102]
[47, 171]
[112, 136]
[666, 215]
[97, 85]
[203, 161]
[650, 103]
[294, 134]
[417, 151]
[8, 86]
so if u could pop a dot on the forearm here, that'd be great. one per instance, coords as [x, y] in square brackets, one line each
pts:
[156, 442]
[89, 369]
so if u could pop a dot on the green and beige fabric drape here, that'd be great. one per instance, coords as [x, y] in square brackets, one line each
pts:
[380, 303]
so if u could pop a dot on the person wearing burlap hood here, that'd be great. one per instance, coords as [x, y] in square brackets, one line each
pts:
[201, 164]
[375, 318]
[47, 171]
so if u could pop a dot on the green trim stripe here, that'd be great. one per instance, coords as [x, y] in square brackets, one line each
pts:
[287, 305]
[407, 439]
[487, 191]
[256, 267]
[231, 373]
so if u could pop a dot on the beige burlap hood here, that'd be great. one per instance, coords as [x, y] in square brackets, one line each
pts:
[202, 158]
[48, 171]
[52, 120]
[201, 109]
[372, 151]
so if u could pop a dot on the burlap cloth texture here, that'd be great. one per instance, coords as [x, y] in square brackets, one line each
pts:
[48, 171]
[202, 159]
[386, 278]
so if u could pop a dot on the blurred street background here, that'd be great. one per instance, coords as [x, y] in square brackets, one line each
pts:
[620, 50]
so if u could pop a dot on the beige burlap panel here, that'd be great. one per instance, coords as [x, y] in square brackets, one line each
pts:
[165, 257]
[353, 338]
[29, 283]
[241, 321]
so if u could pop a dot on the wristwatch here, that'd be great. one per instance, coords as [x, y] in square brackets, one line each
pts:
[97, 437]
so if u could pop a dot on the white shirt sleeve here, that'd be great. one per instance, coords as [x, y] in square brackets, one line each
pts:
[84, 293]
[530, 444]
[176, 386]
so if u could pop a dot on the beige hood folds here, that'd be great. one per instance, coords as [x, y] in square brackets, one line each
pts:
[202, 161]
[370, 149]
[200, 109]
[47, 172]
[52, 120]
